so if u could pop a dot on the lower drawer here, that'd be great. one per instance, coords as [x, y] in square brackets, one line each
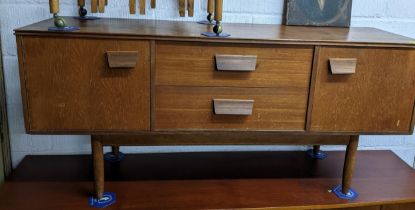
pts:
[226, 108]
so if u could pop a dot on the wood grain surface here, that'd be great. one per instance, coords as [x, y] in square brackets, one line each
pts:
[190, 8]
[210, 6]
[221, 138]
[233, 106]
[349, 164]
[374, 99]
[274, 109]
[101, 6]
[343, 65]
[70, 86]
[54, 6]
[142, 7]
[98, 158]
[218, 10]
[236, 62]
[182, 8]
[212, 180]
[408, 206]
[94, 6]
[133, 6]
[81, 3]
[277, 66]
[122, 59]
[241, 33]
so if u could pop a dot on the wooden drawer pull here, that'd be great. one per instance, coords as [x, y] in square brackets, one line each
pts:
[233, 106]
[122, 59]
[343, 65]
[236, 62]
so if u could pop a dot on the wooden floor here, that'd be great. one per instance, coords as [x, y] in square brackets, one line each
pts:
[233, 180]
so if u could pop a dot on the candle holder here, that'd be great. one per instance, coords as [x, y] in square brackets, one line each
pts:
[208, 21]
[59, 22]
[83, 14]
[217, 31]
[218, 28]
[61, 25]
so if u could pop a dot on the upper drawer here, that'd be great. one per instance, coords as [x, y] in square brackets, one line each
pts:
[85, 85]
[364, 90]
[232, 65]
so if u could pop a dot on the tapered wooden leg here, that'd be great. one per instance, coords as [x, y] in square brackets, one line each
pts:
[316, 153]
[316, 149]
[98, 155]
[349, 164]
[115, 150]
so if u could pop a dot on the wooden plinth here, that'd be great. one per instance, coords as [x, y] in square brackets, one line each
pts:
[234, 180]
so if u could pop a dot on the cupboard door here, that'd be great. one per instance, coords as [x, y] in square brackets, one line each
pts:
[369, 90]
[85, 85]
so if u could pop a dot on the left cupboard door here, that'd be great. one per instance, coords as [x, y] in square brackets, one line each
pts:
[84, 85]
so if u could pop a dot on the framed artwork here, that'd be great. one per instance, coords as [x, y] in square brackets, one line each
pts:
[318, 12]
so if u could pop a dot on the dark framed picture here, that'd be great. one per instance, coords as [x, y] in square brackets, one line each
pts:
[318, 12]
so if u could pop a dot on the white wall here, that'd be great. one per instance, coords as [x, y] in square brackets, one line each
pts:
[392, 15]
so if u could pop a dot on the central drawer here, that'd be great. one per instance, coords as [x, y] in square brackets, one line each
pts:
[243, 65]
[217, 86]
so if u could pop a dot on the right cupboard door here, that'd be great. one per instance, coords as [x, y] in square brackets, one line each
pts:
[363, 90]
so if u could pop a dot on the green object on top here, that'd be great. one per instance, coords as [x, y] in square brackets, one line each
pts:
[59, 22]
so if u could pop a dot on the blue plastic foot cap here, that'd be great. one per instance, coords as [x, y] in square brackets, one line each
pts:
[107, 199]
[110, 157]
[320, 155]
[351, 195]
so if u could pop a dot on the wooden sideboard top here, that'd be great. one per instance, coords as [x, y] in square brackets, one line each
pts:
[247, 33]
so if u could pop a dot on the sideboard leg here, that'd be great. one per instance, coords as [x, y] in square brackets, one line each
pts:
[98, 155]
[115, 155]
[115, 150]
[344, 190]
[316, 153]
[101, 199]
[349, 163]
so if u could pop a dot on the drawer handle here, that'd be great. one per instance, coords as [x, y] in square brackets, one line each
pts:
[122, 59]
[236, 62]
[343, 65]
[233, 106]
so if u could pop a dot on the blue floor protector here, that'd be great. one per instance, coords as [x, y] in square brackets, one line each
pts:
[110, 157]
[107, 199]
[206, 22]
[64, 29]
[349, 196]
[320, 155]
[212, 34]
[87, 18]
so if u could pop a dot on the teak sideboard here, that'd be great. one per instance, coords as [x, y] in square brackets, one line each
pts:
[147, 82]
